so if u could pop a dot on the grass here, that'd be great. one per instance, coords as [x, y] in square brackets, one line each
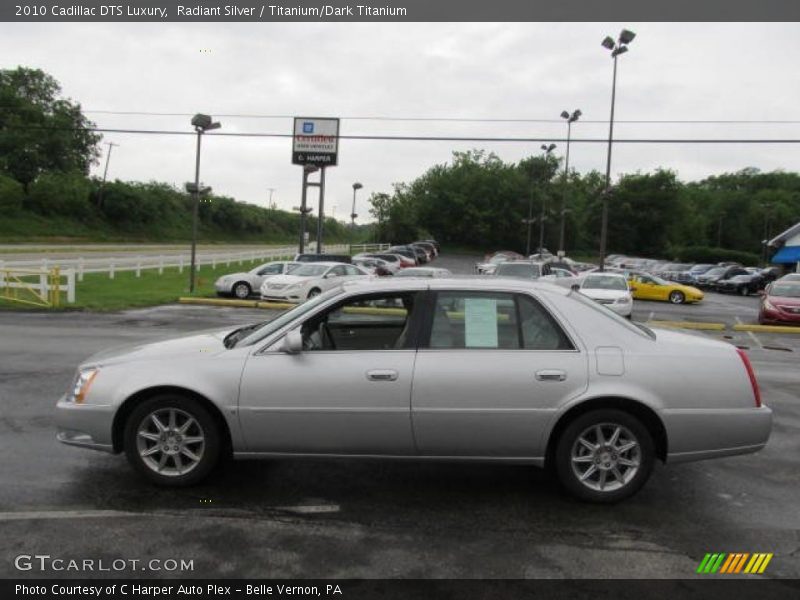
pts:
[98, 292]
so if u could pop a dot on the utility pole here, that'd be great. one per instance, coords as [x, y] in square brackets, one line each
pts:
[105, 174]
[270, 190]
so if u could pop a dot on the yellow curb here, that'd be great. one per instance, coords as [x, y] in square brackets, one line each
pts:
[688, 325]
[219, 302]
[275, 305]
[767, 328]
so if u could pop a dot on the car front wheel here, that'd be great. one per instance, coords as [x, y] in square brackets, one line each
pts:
[677, 297]
[172, 440]
[241, 290]
[604, 456]
[314, 292]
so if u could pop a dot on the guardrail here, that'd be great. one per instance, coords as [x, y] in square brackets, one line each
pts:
[39, 287]
[114, 264]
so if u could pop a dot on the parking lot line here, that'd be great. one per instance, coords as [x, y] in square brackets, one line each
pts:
[749, 333]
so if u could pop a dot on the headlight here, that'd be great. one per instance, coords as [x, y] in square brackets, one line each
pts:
[623, 300]
[293, 286]
[768, 305]
[80, 388]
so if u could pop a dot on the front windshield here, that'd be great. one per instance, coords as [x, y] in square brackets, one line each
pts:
[598, 282]
[310, 270]
[658, 281]
[518, 270]
[786, 290]
[266, 328]
[717, 271]
[496, 260]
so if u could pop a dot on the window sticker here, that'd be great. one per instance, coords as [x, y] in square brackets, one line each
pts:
[480, 323]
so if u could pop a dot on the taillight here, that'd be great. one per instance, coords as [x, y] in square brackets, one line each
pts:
[751, 374]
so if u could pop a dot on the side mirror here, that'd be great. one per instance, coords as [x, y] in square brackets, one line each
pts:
[292, 342]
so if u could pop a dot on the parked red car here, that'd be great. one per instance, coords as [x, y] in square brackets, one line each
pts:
[780, 303]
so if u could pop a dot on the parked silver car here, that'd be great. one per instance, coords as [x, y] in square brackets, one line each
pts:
[398, 368]
[242, 285]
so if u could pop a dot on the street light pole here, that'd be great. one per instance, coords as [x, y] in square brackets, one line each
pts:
[304, 210]
[105, 174]
[616, 48]
[356, 186]
[547, 150]
[571, 118]
[201, 123]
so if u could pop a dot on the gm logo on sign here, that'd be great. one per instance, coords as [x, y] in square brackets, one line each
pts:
[308, 127]
[735, 563]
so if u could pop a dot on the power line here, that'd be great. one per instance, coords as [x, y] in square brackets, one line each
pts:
[419, 138]
[457, 119]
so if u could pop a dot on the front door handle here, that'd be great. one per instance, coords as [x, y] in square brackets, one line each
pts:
[382, 375]
[551, 375]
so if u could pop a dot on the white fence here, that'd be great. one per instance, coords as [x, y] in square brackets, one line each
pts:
[114, 264]
[39, 287]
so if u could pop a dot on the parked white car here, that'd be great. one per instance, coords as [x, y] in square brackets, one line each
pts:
[609, 289]
[309, 280]
[561, 277]
[242, 285]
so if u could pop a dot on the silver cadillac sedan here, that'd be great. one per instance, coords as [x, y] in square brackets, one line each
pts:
[454, 369]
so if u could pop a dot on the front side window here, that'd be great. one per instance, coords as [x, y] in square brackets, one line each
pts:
[273, 269]
[373, 322]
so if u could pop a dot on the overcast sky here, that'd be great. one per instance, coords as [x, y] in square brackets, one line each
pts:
[472, 70]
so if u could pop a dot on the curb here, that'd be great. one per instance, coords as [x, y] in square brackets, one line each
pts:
[766, 328]
[688, 325]
[239, 303]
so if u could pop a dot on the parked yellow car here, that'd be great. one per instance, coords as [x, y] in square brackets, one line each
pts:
[650, 287]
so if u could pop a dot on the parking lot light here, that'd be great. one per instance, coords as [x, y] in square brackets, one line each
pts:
[619, 47]
[570, 118]
[201, 124]
[356, 186]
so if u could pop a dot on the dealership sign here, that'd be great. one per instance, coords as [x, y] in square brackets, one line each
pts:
[315, 141]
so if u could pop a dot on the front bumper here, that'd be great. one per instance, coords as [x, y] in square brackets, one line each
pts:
[273, 297]
[778, 317]
[85, 425]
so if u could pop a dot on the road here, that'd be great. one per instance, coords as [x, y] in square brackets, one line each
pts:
[348, 518]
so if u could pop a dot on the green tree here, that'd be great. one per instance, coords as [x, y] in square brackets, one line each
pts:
[39, 130]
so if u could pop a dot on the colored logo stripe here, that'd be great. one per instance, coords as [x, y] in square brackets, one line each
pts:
[734, 562]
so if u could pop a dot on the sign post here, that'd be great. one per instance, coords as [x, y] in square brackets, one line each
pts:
[315, 145]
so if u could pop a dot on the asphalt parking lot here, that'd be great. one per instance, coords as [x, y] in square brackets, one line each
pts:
[336, 519]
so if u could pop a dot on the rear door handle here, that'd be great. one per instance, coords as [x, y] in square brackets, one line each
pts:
[551, 375]
[382, 375]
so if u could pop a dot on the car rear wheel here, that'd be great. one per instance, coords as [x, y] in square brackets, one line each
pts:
[744, 290]
[241, 290]
[677, 297]
[604, 456]
[172, 440]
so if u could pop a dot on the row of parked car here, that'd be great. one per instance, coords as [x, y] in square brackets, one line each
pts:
[310, 274]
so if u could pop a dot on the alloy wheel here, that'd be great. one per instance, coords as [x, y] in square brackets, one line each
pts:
[170, 442]
[606, 457]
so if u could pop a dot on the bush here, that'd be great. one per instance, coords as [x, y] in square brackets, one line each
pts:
[11, 194]
[705, 254]
[59, 193]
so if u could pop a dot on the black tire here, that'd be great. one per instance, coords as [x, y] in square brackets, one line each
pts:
[677, 297]
[313, 292]
[208, 450]
[242, 290]
[568, 447]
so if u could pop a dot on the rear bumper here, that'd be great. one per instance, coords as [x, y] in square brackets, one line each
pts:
[698, 434]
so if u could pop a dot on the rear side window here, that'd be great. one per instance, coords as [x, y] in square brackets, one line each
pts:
[502, 321]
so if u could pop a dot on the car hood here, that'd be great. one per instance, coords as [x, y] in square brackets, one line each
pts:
[604, 294]
[290, 279]
[784, 300]
[204, 343]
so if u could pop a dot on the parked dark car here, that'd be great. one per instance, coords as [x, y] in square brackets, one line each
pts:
[405, 251]
[740, 284]
[710, 278]
[314, 257]
[690, 276]
[416, 252]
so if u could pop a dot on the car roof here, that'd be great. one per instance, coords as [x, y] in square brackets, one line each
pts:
[324, 263]
[454, 283]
